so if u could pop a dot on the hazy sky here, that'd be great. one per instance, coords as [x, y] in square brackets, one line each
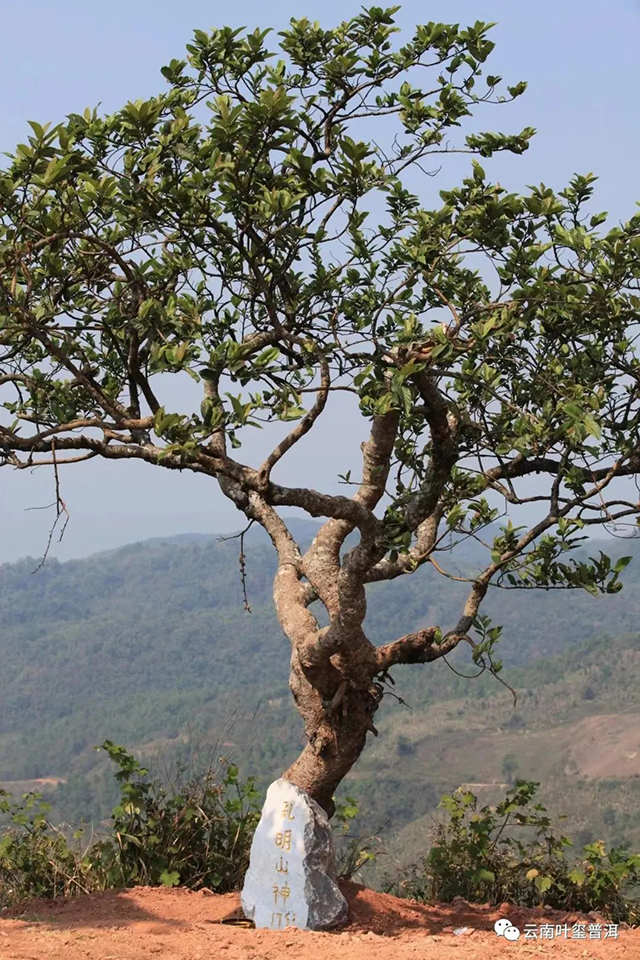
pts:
[579, 56]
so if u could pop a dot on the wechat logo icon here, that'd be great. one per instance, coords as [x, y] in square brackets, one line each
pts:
[504, 928]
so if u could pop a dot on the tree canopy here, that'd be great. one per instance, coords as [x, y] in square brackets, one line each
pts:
[259, 226]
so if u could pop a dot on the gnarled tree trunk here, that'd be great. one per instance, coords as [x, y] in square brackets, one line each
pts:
[336, 672]
[336, 731]
[339, 715]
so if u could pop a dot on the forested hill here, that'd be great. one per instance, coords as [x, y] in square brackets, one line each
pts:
[150, 644]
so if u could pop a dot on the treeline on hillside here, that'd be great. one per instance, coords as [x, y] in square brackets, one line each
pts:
[140, 641]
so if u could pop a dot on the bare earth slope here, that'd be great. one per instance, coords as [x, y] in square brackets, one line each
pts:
[181, 925]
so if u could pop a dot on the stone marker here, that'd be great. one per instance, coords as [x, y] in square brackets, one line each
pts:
[291, 879]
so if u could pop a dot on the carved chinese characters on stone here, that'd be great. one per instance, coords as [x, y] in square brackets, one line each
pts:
[291, 881]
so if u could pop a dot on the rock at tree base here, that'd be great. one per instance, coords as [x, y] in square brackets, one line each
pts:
[291, 880]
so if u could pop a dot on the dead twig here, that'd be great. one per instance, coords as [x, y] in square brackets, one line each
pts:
[61, 510]
[242, 560]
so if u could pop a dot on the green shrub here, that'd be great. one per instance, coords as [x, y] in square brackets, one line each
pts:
[197, 833]
[36, 859]
[511, 853]
[353, 852]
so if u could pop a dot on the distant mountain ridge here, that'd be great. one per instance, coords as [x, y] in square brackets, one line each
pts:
[150, 644]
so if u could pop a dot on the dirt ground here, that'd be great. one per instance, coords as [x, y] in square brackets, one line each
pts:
[182, 925]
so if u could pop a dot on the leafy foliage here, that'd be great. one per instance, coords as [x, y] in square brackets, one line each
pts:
[236, 229]
[353, 851]
[512, 853]
[221, 188]
[36, 859]
[196, 833]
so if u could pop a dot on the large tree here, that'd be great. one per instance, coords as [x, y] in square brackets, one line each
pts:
[259, 227]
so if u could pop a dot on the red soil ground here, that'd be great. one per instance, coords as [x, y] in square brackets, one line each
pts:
[181, 925]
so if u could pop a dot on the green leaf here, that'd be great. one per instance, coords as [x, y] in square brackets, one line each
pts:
[267, 357]
[37, 129]
[574, 410]
[592, 426]
[482, 875]
[543, 883]
[293, 413]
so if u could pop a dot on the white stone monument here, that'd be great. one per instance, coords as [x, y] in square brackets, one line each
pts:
[291, 879]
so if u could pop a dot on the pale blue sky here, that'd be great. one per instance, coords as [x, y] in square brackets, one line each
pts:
[579, 56]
